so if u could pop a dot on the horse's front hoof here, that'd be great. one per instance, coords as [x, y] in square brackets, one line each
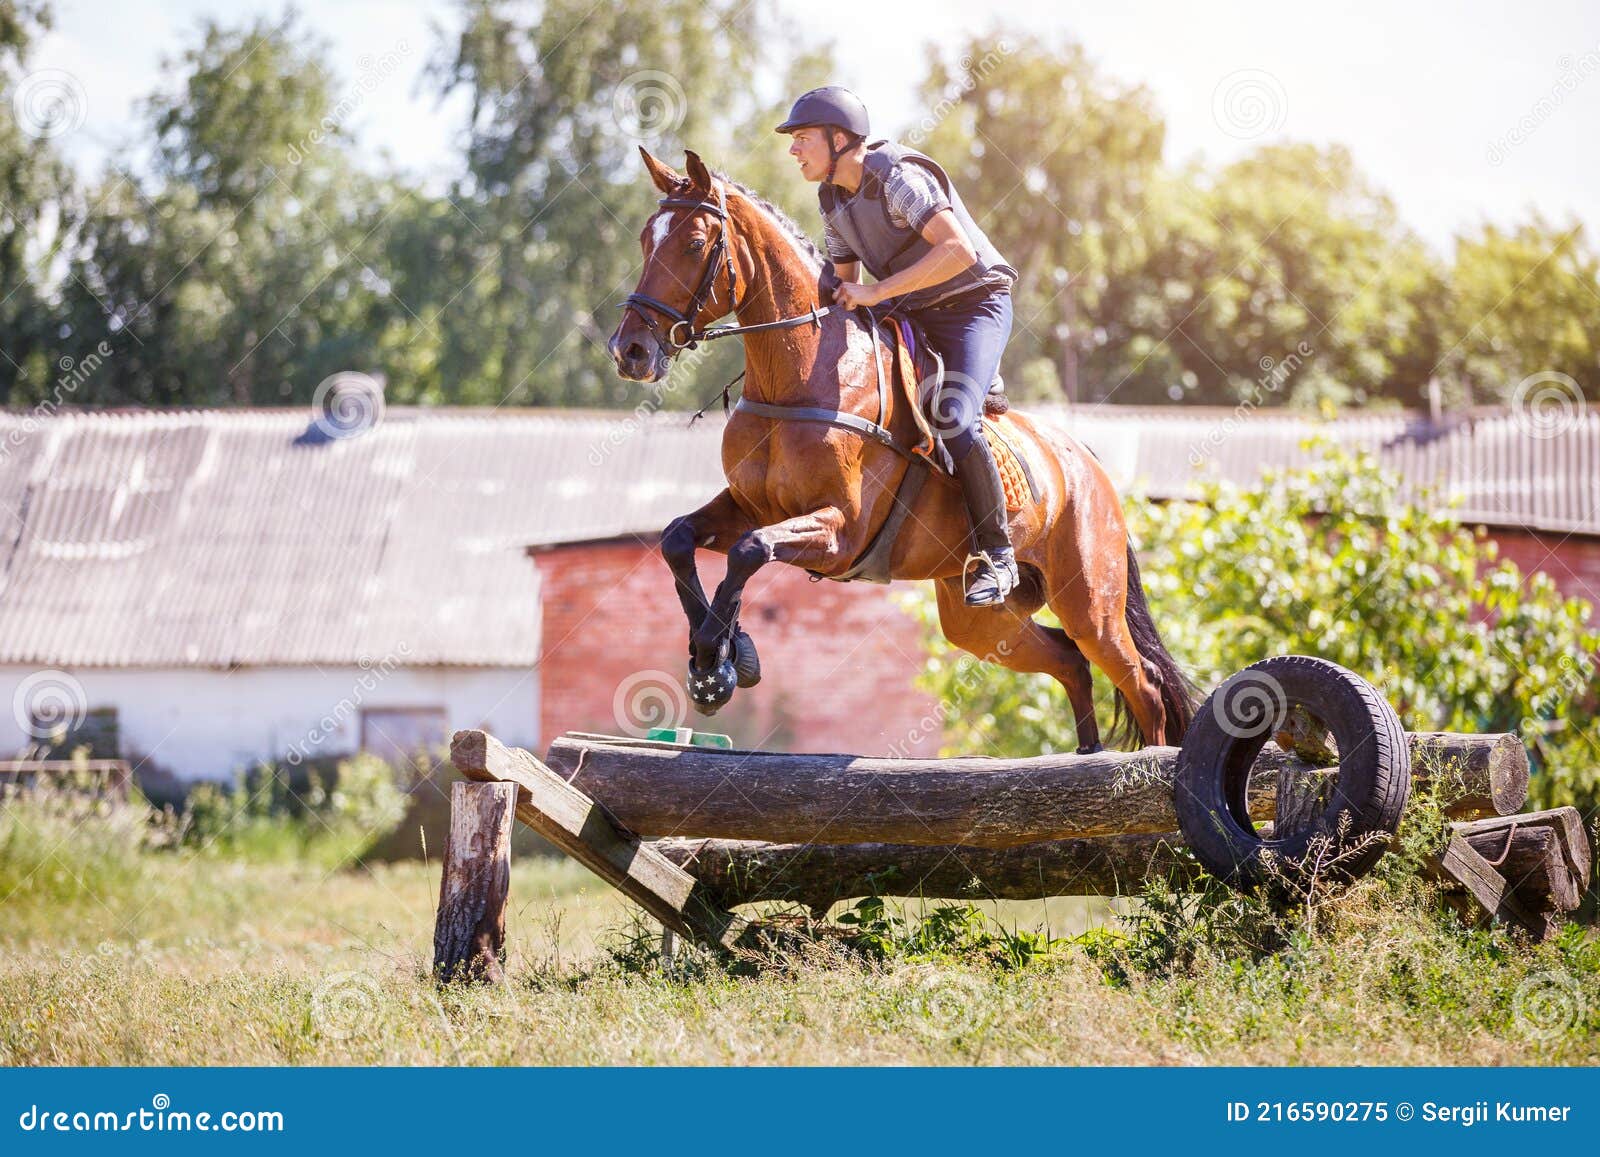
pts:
[709, 690]
[746, 663]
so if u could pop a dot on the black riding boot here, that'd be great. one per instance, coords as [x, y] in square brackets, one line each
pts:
[996, 572]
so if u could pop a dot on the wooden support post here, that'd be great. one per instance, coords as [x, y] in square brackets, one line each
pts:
[1301, 796]
[469, 932]
[580, 827]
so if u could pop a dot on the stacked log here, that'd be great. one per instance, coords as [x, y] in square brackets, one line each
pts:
[693, 832]
[664, 789]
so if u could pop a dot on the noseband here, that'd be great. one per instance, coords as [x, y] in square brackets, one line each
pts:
[721, 254]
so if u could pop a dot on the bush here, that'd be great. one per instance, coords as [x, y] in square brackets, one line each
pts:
[1324, 560]
[272, 813]
[58, 844]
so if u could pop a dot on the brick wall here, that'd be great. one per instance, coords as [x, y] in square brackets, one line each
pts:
[1572, 561]
[837, 659]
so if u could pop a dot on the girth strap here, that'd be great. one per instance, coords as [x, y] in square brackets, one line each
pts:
[839, 418]
[873, 565]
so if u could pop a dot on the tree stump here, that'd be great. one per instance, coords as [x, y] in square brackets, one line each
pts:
[469, 932]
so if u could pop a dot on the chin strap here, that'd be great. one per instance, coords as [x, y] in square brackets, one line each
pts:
[834, 155]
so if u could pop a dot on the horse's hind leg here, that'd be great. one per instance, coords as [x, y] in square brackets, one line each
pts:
[1109, 645]
[1008, 635]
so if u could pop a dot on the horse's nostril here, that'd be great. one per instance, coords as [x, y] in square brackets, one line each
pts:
[635, 352]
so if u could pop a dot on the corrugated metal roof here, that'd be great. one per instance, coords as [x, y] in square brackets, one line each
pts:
[1498, 468]
[223, 538]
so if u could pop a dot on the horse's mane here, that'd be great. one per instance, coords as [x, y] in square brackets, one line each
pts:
[783, 220]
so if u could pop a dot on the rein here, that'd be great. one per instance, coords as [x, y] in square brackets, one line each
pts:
[721, 254]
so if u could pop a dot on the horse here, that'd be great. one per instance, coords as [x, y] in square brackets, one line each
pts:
[814, 493]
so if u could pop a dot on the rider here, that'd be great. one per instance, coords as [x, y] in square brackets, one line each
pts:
[895, 211]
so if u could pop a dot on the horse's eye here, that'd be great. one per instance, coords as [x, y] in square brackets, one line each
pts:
[697, 244]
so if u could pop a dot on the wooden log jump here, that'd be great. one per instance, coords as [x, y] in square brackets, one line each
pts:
[815, 829]
[663, 789]
[736, 872]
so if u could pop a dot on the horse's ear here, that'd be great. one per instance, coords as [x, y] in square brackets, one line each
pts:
[698, 173]
[666, 178]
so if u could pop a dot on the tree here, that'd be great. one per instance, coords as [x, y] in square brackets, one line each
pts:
[39, 205]
[1286, 251]
[555, 190]
[1056, 162]
[244, 268]
[1525, 301]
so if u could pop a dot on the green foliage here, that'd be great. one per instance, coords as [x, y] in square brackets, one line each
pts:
[59, 844]
[1287, 277]
[40, 207]
[944, 933]
[1057, 160]
[256, 254]
[270, 814]
[1523, 302]
[1327, 560]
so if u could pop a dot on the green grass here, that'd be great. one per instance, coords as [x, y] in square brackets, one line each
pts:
[112, 953]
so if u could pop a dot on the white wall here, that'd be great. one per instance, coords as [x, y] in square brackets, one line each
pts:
[205, 723]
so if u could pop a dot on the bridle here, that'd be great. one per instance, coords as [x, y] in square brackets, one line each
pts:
[705, 292]
[721, 254]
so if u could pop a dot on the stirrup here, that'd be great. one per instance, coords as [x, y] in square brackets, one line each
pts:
[1005, 579]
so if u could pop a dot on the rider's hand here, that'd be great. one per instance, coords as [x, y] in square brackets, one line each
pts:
[853, 294]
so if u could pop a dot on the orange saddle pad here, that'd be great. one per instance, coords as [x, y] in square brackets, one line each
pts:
[1011, 475]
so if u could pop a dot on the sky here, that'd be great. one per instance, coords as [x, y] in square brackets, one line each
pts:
[1476, 111]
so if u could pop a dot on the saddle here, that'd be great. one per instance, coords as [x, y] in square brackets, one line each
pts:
[915, 372]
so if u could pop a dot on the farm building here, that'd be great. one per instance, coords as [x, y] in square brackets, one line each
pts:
[204, 590]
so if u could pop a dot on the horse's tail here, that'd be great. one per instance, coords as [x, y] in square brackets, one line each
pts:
[1178, 692]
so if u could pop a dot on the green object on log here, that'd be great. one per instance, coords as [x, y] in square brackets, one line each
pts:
[689, 737]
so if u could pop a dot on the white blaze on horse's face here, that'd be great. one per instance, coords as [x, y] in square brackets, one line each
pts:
[659, 230]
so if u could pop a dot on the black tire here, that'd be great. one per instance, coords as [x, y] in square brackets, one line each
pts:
[1230, 730]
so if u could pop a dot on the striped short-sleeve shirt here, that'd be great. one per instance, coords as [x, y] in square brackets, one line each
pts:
[913, 195]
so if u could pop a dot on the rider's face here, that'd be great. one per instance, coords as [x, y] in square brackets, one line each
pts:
[809, 147]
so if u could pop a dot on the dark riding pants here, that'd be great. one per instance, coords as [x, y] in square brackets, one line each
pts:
[970, 333]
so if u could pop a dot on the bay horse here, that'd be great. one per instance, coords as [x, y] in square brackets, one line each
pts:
[814, 493]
